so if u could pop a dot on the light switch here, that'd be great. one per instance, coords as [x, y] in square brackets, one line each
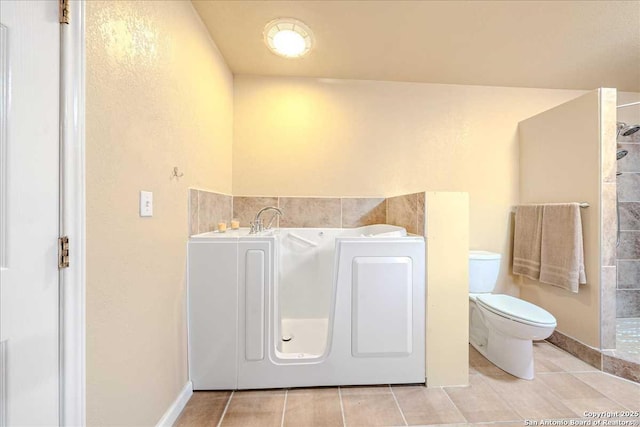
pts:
[146, 203]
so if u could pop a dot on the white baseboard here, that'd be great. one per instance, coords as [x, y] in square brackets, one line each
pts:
[177, 406]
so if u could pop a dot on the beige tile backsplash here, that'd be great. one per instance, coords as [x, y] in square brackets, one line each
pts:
[407, 211]
[206, 208]
[193, 212]
[310, 212]
[357, 212]
[245, 208]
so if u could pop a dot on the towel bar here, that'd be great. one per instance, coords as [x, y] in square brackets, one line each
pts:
[582, 205]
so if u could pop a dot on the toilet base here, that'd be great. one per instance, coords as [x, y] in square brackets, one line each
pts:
[512, 355]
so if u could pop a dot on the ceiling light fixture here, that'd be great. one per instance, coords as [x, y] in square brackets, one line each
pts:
[288, 37]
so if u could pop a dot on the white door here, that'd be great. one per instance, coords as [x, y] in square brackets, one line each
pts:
[29, 75]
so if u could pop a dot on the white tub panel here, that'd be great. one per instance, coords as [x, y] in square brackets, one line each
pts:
[254, 299]
[255, 272]
[382, 306]
[228, 293]
[213, 312]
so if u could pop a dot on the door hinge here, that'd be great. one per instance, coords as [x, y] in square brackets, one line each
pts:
[63, 252]
[63, 6]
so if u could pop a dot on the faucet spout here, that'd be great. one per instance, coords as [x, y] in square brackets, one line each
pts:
[258, 225]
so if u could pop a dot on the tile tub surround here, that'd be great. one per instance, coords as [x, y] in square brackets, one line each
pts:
[310, 212]
[358, 212]
[344, 212]
[407, 211]
[563, 389]
[246, 208]
[206, 208]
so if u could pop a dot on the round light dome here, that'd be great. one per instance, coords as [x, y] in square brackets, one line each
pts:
[288, 37]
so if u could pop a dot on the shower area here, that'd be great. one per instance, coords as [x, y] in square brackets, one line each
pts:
[627, 322]
[587, 150]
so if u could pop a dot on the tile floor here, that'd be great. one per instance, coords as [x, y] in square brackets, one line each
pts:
[564, 388]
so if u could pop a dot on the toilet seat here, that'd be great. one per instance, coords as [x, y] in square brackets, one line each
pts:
[516, 309]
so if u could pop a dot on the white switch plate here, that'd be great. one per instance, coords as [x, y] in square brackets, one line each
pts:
[146, 203]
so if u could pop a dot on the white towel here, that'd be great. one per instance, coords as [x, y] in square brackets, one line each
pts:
[562, 251]
[527, 241]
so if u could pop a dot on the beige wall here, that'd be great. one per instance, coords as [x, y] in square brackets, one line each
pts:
[159, 95]
[447, 231]
[562, 160]
[324, 137]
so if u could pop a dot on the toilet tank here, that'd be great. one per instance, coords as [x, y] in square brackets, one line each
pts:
[483, 271]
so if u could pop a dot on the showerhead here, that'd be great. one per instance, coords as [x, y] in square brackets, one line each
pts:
[627, 130]
[621, 153]
[630, 130]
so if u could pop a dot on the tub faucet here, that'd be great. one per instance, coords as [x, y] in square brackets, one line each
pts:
[257, 225]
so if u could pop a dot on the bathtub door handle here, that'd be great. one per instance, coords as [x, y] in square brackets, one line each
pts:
[302, 239]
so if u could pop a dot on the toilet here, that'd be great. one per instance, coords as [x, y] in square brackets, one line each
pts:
[501, 327]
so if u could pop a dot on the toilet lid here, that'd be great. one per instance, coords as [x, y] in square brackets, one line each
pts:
[516, 309]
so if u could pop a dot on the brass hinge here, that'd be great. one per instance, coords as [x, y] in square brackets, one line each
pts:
[63, 252]
[63, 6]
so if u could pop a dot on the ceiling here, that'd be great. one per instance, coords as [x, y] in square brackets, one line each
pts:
[541, 44]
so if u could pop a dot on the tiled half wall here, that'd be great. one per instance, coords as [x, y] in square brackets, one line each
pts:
[206, 208]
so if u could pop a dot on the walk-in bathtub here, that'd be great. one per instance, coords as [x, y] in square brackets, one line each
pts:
[306, 307]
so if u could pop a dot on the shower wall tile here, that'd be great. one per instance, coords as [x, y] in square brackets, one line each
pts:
[628, 303]
[193, 211]
[310, 212]
[608, 305]
[609, 235]
[246, 208]
[358, 212]
[629, 187]
[628, 286]
[608, 136]
[629, 274]
[629, 247]
[403, 211]
[212, 207]
[629, 215]
[631, 162]
[609, 223]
